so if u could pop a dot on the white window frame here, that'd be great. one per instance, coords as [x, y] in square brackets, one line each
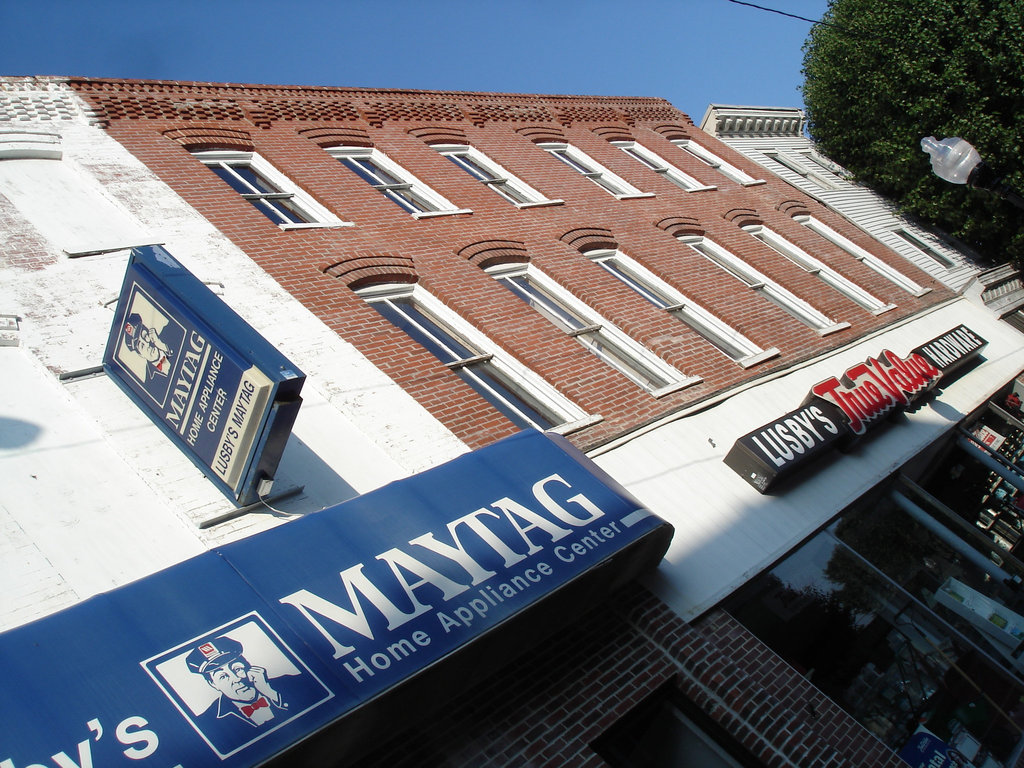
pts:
[592, 331]
[796, 167]
[891, 274]
[434, 204]
[760, 282]
[918, 243]
[568, 416]
[583, 164]
[709, 158]
[318, 216]
[818, 268]
[658, 164]
[500, 180]
[827, 165]
[719, 334]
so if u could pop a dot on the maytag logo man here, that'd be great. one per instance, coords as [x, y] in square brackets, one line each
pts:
[150, 345]
[237, 684]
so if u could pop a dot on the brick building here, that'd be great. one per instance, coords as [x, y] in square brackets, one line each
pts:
[449, 268]
[449, 228]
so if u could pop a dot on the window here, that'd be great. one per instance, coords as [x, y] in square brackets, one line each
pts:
[520, 395]
[918, 243]
[727, 340]
[710, 158]
[655, 163]
[760, 282]
[585, 166]
[790, 164]
[393, 181]
[826, 165]
[869, 259]
[488, 172]
[827, 275]
[270, 192]
[593, 332]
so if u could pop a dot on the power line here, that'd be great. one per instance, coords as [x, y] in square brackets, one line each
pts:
[781, 13]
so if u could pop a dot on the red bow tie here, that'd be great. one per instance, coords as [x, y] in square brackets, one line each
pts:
[248, 709]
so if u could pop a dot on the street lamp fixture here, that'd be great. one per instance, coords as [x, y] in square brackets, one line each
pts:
[957, 162]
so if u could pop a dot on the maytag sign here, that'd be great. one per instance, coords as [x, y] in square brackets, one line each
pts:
[332, 621]
[840, 409]
[217, 388]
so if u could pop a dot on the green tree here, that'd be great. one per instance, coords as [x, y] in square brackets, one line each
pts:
[880, 75]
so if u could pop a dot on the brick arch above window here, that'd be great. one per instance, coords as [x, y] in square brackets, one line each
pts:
[590, 239]
[743, 217]
[435, 134]
[681, 226]
[672, 131]
[334, 137]
[793, 208]
[614, 133]
[540, 134]
[366, 268]
[489, 253]
[196, 138]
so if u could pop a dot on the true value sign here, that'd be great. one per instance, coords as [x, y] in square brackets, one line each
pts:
[840, 409]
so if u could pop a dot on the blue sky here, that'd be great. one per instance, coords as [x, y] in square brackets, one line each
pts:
[691, 52]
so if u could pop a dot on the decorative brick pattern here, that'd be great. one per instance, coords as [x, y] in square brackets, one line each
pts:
[111, 108]
[793, 208]
[570, 115]
[419, 111]
[672, 131]
[363, 269]
[681, 226]
[440, 134]
[508, 113]
[318, 110]
[614, 133]
[487, 253]
[541, 133]
[202, 137]
[590, 239]
[337, 137]
[742, 217]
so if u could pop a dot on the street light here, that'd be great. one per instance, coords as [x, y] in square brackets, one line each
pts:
[956, 161]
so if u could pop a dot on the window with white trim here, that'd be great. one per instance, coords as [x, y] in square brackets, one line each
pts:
[758, 281]
[789, 163]
[489, 173]
[655, 162]
[920, 244]
[593, 332]
[269, 190]
[719, 334]
[518, 393]
[709, 158]
[891, 274]
[818, 268]
[585, 165]
[394, 182]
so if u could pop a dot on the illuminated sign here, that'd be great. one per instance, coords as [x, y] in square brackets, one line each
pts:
[840, 409]
[220, 391]
[234, 656]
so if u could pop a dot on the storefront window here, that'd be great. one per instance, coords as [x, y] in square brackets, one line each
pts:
[858, 610]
